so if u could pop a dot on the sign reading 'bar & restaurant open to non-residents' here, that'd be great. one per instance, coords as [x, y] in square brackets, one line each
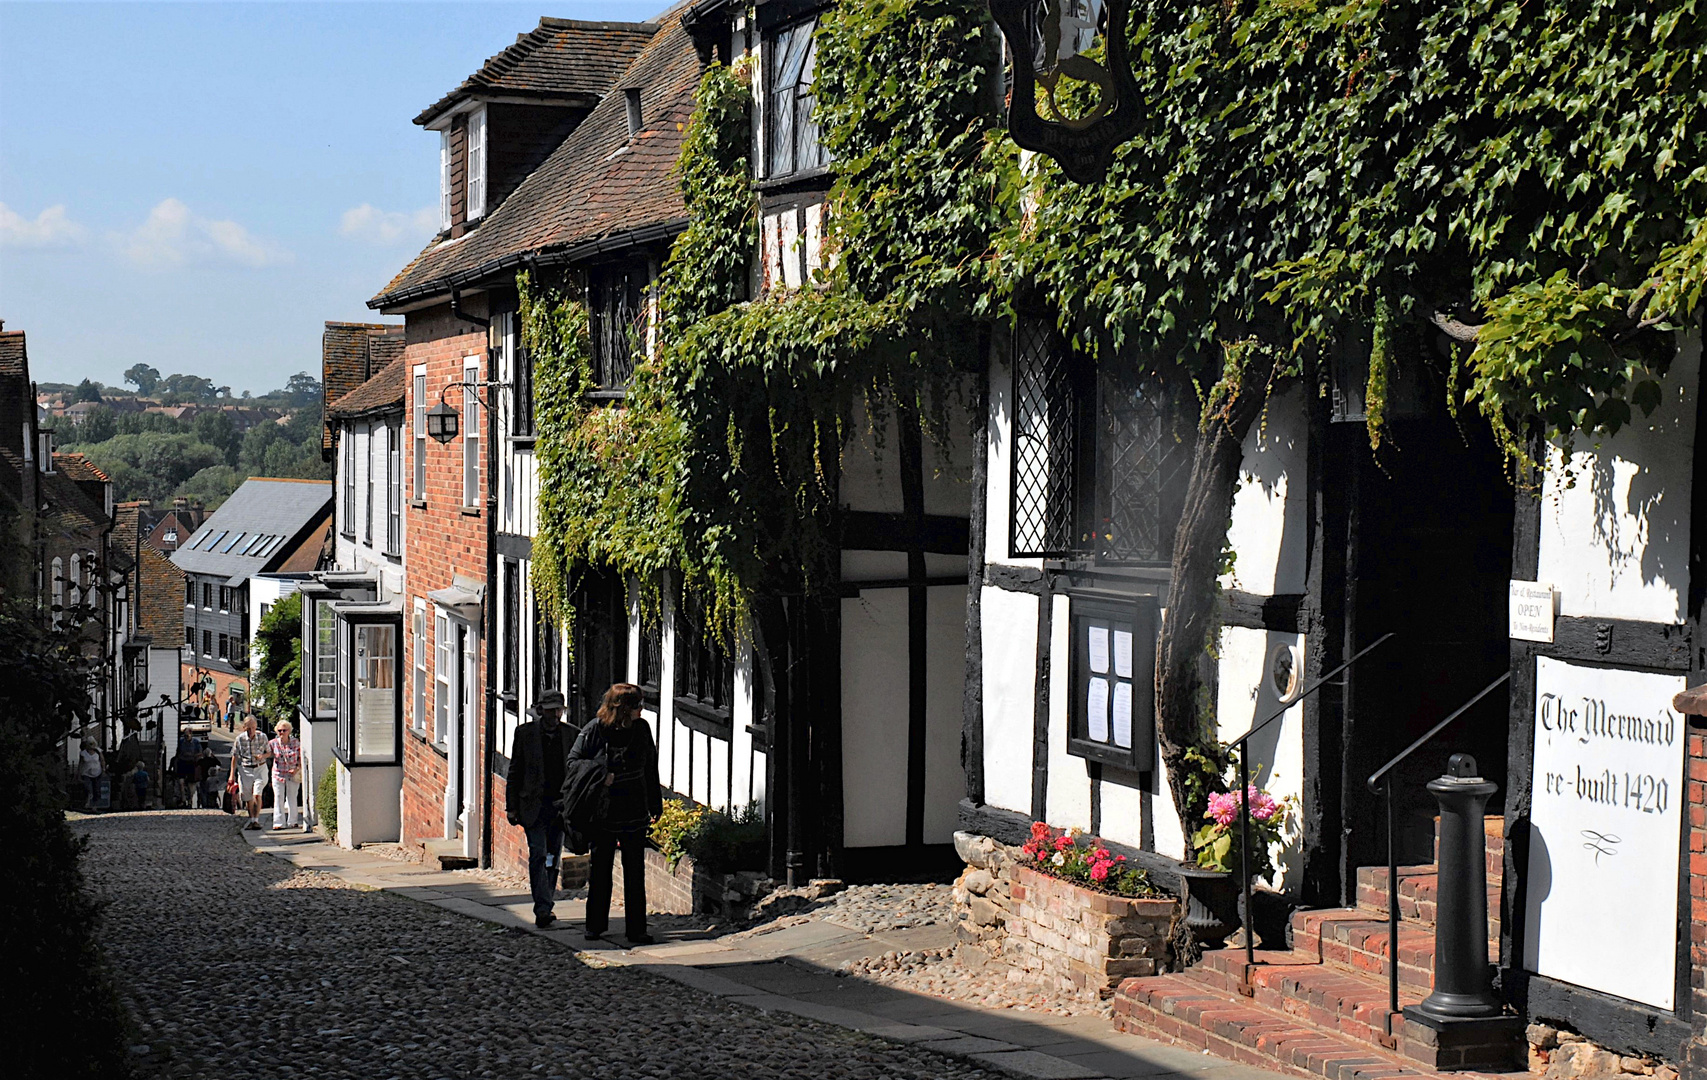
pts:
[1605, 826]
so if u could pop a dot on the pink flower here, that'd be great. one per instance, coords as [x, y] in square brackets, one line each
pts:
[1120, 858]
[1099, 871]
[1062, 843]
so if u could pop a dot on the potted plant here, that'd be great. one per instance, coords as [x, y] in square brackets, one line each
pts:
[1212, 886]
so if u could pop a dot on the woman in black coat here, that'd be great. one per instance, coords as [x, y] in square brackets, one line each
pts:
[623, 743]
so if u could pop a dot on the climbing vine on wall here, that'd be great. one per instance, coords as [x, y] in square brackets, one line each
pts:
[732, 431]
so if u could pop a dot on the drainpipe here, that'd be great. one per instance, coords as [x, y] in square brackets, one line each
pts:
[493, 593]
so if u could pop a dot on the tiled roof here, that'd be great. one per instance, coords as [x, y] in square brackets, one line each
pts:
[80, 468]
[598, 185]
[12, 354]
[160, 599]
[382, 392]
[71, 512]
[351, 354]
[557, 59]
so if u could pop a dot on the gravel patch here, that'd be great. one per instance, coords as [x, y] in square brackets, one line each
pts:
[874, 909]
[940, 973]
[238, 964]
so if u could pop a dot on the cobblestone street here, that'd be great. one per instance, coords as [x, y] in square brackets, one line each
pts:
[237, 964]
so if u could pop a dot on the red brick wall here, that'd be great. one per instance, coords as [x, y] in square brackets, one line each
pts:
[444, 540]
[509, 842]
[1695, 1061]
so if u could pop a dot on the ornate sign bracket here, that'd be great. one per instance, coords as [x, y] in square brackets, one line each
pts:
[1046, 44]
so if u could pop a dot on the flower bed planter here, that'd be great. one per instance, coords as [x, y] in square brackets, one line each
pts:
[1086, 940]
[689, 890]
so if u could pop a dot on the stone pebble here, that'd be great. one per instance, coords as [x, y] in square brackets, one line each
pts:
[235, 963]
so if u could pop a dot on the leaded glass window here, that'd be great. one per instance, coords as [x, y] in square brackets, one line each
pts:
[793, 141]
[1045, 443]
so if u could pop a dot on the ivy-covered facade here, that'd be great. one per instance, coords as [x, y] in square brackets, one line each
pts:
[926, 491]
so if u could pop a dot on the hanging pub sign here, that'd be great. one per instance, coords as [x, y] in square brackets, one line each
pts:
[1606, 822]
[1069, 61]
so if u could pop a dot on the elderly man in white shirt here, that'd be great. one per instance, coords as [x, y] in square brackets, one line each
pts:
[249, 757]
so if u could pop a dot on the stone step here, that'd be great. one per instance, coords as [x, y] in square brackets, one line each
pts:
[1191, 1009]
[1419, 890]
[447, 855]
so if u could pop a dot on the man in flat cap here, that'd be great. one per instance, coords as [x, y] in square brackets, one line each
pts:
[533, 789]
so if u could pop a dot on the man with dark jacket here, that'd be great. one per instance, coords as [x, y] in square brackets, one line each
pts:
[534, 785]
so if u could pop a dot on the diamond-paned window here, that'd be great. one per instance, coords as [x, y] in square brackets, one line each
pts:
[1045, 443]
[1143, 460]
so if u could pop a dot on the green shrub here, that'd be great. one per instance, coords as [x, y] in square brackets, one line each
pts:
[326, 801]
[716, 842]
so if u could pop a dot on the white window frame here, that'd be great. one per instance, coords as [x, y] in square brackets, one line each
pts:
[394, 489]
[420, 417]
[445, 665]
[444, 180]
[475, 140]
[348, 526]
[471, 432]
[418, 715]
[367, 460]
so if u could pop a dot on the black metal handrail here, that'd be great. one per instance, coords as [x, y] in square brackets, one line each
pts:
[1379, 786]
[1245, 786]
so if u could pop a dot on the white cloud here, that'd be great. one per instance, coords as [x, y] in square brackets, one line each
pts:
[173, 235]
[51, 228]
[369, 223]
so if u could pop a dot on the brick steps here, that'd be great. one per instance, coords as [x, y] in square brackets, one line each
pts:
[1319, 1009]
[1187, 1010]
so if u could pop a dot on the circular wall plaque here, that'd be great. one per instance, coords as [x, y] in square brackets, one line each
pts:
[1286, 672]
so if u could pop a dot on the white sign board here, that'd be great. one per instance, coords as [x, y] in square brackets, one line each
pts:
[1531, 611]
[1605, 824]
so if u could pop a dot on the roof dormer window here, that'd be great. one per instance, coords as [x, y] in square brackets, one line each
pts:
[632, 94]
[476, 164]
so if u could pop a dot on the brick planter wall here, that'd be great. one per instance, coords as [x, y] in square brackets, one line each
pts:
[688, 890]
[1084, 940]
[1695, 807]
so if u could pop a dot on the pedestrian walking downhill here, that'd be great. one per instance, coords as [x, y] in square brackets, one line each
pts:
[624, 746]
[538, 758]
[249, 757]
[286, 753]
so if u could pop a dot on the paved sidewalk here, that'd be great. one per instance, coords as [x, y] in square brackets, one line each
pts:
[793, 969]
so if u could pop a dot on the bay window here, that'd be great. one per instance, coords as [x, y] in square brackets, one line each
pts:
[367, 725]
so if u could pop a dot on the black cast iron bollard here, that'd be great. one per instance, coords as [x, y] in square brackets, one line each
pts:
[1461, 986]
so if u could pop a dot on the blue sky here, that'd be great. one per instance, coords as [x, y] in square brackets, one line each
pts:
[200, 186]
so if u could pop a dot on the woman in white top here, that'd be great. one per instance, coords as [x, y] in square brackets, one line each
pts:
[89, 771]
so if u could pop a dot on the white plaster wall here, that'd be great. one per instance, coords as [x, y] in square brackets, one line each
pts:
[1010, 673]
[947, 459]
[998, 460]
[1616, 544]
[874, 565]
[1067, 801]
[165, 671]
[1270, 505]
[357, 554]
[945, 698]
[875, 718]
[369, 807]
[1245, 698]
[317, 737]
[869, 480]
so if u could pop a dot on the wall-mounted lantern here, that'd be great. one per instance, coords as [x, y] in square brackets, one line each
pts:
[1052, 44]
[442, 421]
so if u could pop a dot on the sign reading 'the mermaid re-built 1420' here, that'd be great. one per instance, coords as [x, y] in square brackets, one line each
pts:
[1605, 825]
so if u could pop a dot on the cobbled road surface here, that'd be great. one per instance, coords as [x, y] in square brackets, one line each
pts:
[239, 966]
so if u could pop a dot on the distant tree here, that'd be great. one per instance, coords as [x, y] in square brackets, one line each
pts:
[247, 394]
[151, 465]
[97, 426]
[187, 388]
[279, 645]
[143, 377]
[86, 391]
[300, 389]
[252, 456]
[216, 429]
[139, 422]
[212, 485]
